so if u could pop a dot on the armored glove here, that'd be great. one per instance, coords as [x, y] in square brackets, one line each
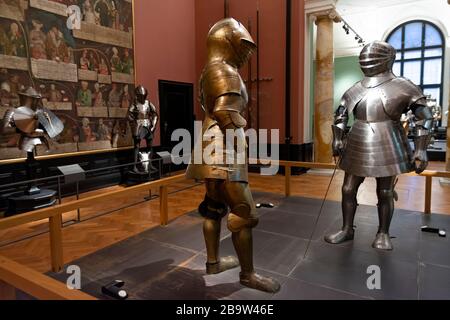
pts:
[338, 140]
[420, 157]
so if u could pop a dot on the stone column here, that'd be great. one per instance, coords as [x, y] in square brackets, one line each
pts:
[324, 86]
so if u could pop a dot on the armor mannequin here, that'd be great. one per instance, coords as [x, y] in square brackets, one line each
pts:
[34, 123]
[143, 119]
[224, 97]
[377, 145]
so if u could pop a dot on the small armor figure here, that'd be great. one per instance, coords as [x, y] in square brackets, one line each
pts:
[34, 123]
[143, 119]
[377, 145]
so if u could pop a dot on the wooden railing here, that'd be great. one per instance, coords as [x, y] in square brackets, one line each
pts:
[15, 276]
[428, 174]
[54, 214]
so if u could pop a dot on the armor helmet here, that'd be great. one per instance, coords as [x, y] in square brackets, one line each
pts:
[30, 98]
[230, 41]
[377, 57]
[141, 94]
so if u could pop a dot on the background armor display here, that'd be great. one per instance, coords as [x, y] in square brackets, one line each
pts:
[377, 145]
[85, 73]
[143, 119]
[224, 97]
[34, 123]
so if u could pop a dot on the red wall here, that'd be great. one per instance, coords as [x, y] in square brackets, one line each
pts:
[171, 45]
[164, 44]
[272, 55]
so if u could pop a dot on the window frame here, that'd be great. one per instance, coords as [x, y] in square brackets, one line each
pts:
[423, 48]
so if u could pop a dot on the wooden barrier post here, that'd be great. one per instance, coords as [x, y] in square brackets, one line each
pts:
[7, 292]
[287, 173]
[35, 284]
[56, 246]
[163, 206]
[428, 188]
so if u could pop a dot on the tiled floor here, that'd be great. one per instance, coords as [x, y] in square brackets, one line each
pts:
[168, 262]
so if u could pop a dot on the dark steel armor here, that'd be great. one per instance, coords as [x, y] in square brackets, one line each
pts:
[377, 144]
[143, 118]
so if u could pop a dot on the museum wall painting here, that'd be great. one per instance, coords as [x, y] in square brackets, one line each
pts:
[85, 75]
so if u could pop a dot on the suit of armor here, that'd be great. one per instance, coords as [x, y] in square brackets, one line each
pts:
[224, 97]
[143, 119]
[377, 145]
[34, 123]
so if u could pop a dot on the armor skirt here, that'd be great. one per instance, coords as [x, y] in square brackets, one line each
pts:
[377, 149]
[218, 166]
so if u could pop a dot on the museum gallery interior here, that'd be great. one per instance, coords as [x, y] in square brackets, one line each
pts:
[224, 150]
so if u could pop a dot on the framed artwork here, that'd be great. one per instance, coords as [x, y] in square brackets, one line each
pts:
[79, 55]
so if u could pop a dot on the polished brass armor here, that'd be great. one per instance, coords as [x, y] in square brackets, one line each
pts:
[224, 97]
[377, 145]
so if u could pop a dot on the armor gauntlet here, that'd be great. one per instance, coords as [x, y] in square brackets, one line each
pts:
[339, 127]
[422, 135]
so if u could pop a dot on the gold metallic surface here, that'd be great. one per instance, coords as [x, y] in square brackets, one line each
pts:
[224, 97]
[222, 90]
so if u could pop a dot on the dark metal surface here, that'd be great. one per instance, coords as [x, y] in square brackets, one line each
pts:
[169, 263]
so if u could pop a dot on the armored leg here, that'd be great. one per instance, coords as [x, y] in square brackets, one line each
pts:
[137, 144]
[31, 165]
[213, 209]
[241, 220]
[385, 193]
[349, 206]
[149, 149]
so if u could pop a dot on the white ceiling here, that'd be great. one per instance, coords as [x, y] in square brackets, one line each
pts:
[346, 7]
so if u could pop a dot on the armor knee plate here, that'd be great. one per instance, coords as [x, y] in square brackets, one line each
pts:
[349, 190]
[385, 194]
[212, 209]
[237, 223]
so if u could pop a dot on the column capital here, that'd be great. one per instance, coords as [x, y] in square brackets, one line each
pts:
[331, 14]
[313, 6]
[319, 9]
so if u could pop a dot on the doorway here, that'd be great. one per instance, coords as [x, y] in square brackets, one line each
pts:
[176, 110]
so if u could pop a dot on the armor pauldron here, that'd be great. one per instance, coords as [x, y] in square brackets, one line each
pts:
[229, 102]
[219, 79]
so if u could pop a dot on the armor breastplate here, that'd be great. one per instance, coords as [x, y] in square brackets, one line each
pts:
[143, 111]
[218, 79]
[386, 101]
[371, 108]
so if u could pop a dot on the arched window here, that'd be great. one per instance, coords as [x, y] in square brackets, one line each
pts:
[420, 55]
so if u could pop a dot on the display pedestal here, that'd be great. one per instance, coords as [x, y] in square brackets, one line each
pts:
[20, 202]
[33, 198]
[133, 177]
